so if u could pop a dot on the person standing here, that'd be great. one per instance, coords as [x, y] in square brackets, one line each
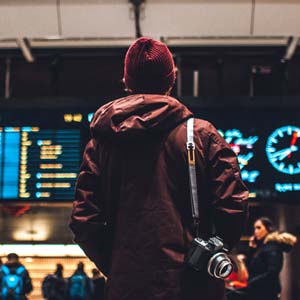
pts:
[80, 286]
[132, 212]
[54, 285]
[99, 284]
[265, 260]
[15, 281]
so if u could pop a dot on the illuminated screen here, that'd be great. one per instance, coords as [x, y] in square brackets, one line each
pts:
[40, 155]
[267, 143]
[41, 150]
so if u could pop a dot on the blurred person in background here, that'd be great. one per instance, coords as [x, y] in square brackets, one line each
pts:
[15, 281]
[132, 211]
[265, 260]
[238, 280]
[80, 286]
[54, 285]
[99, 284]
[239, 277]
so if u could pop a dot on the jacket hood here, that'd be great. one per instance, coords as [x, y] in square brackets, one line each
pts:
[285, 239]
[137, 115]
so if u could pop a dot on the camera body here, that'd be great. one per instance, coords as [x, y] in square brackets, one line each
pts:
[210, 255]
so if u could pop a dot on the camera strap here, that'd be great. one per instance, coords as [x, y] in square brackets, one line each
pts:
[190, 145]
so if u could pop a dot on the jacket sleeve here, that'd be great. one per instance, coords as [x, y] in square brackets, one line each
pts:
[87, 219]
[229, 193]
[274, 262]
[27, 283]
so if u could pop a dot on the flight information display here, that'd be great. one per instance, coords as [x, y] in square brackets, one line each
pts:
[41, 150]
[40, 154]
[267, 144]
[38, 163]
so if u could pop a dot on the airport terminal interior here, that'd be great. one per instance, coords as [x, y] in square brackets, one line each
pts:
[238, 66]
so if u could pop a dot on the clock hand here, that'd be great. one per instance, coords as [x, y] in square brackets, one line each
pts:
[293, 141]
[284, 152]
[280, 152]
[292, 149]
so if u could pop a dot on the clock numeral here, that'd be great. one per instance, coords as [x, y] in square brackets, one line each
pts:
[280, 133]
[274, 141]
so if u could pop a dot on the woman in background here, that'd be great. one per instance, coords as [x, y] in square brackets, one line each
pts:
[265, 260]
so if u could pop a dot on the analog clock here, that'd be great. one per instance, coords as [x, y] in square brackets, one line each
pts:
[283, 149]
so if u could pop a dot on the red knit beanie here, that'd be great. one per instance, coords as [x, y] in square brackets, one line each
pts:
[149, 67]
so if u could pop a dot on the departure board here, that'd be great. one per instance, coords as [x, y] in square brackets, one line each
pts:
[40, 153]
[38, 163]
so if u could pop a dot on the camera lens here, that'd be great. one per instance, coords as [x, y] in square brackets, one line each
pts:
[224, 269]
[219, 266]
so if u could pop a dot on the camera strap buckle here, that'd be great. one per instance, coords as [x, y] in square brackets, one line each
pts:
[191, 153]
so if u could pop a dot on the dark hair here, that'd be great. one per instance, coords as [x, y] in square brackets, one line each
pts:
[13, 256]
[59, 270]
[95, 272]
[268, 223]
[80, 266]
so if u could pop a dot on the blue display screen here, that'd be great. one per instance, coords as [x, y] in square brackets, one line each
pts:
[267, 143]
[40, 160]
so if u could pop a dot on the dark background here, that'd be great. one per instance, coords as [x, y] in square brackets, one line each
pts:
[223, 71]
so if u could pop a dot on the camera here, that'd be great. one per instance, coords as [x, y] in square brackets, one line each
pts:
[210, 255]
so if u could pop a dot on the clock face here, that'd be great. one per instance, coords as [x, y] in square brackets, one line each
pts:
[283, 149]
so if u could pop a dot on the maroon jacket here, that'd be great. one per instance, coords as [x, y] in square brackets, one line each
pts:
[134, 178]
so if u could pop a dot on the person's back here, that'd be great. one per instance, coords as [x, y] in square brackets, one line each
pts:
[99, 285]
[80, 285]
[54, 285]
[14, 279]
[136, 168]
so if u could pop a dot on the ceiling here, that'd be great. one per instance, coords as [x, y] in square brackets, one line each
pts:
[111, 22]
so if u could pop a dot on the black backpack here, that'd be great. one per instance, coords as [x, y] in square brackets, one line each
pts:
[53, 287]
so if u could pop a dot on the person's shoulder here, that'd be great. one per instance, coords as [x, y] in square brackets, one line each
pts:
[271, 247]
[101, 110]
[21, 265]
[50, 276]
[15, 265]
[205, 125]
[207, 130]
